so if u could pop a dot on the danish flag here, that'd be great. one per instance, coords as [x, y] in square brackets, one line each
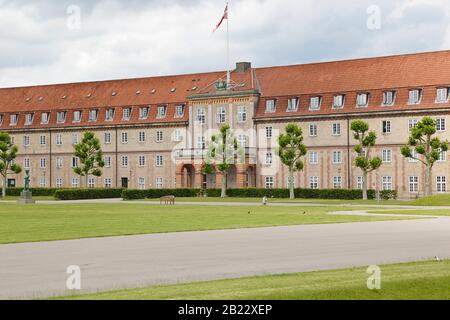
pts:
[224, 17]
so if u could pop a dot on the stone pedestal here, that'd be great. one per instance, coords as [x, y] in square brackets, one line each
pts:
[26, 197]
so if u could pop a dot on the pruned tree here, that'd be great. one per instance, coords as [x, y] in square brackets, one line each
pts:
[8, 153]
[291, 149]
[90, 155]
[366, 141]
[223, 152]
[423, 147]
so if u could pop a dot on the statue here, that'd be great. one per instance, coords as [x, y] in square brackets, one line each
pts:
[27, 181]
[26, 197]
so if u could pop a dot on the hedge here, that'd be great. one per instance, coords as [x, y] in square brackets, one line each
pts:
[38, 192]
[344, 194]
[87, 194]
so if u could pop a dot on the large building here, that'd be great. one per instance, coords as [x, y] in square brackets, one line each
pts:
[155, 131]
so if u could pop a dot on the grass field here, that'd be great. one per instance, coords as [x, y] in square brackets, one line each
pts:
[46, 222]
[433, 212]
[411, 281]
[8, 198]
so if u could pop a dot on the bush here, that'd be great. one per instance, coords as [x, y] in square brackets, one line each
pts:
[38, 192]
[158, 193]
[389, 194]
[87, 194]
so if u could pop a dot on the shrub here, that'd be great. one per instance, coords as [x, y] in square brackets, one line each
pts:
[389, 194]
[87, 194]
[158, 193]
[38, 192]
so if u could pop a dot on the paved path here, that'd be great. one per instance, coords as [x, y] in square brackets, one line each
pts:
[38, 269]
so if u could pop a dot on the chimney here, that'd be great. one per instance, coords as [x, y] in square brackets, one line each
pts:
[243, 66]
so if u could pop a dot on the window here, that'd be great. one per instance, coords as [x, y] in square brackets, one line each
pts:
[269, 158]
[359, 182]
[441, 95]
[442, 155]
[159, 136]
[159, 160]
[415, 156]
[337, 157]
[141, 183]
[386, 127]
[242, 114]
[108, 161]
[292, 104]
[179, 111]
[1, 119]
[362, 100]
[75, 182]
[26, 141]
[141, 136]
[124, 137]
[314, 103]
[42, 182]
[141, 161]
[126, 114]
[440, 124]
[43, 163]
[29, 119]
[414, 96]
[43, 140]
[107, 137]
[61, 117]
[221, 115]
[159, 183]
[338, 101]
[288, 180]
[412, 123]
[413, 184]
[59, 163]
[269, 182]
[91, 183]
[77, 116]
[177, 135]
[388, 98]
[387, 155]
[386, 183]
[201, 143]
[75, 161]
[93, 115]
[13, 140]
[74, 138]
[313, 130]
[269, 132]
[242, 140]
[143, 113]
[314, 182]
[337, 182]
[313, 157]
[59, 139]
[108, 183]
[201, 117]
[26, 163]
[124, 161]
[14, 118]
[336, 131]
[45, 117]
[270, 106]
[441, 184]
[162, 110]
[59, 182]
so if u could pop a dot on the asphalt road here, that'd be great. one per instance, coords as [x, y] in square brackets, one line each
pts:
[39, 269]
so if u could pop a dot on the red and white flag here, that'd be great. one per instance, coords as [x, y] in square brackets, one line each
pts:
[224, 17]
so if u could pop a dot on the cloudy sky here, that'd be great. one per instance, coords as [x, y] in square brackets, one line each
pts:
[51, 41]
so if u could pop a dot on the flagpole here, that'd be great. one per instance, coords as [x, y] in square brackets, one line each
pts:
[228, 49]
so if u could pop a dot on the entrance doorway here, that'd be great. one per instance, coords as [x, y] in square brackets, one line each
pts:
[125, 183]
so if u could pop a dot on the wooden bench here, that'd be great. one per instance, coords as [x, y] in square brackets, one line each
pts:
[168, 200]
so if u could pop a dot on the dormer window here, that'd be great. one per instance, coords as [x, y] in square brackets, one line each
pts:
[61, 117]
[179, 111]
[110, 114]
[45, 117]
[388, 98]
[126, 114]
[442, 95]
[292, 104]
[314, 103]
[93, 115]
[29, 117]
[162, 111]
[362, 100]
[338, 101]
[414, 96]
[144, 112]
[76, 116]
[270, 106]
[14, 118]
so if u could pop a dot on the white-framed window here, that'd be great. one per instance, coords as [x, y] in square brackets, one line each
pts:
[413, 184]
[269, 132]
[1, 119]
[159, 183]
[336, 129]
[242, 140]
[141, 161]
[13, 140]
[337, 157]
[314, 182]
[359, 182]
[42, 140]
[337, 182]
[75, 138]
[110, 114]
[93, 115]
[389, 98]
[107, 137]
[59, 139]
[387, 127]
[441, 95]
[108, 183]
[26, 141]
[314, 103]
[415, 155]
[91, 183]
[362, 100]
[441, 184]
[141, 183]
[45, 117]
[288, 180]
[201, 116]
[442, 155]
[108, 161]
[293, 104]
[42, 182]
[126, 114]
[177, 135]
[386, 155]
[269, 158]
[414, 96]
[59, 182]
[386, 183]
[338, 101]
[29, 119]
[13, 119]
[61, 116]
[440, 124]
[143, 113]
[179, 111]
[313, 157]
[142, 136]
[270, 106]
[221, 115]
[76, 117]
[124, 161]
[201, 142]
[269, 182]
[412, 123]
[242, 114]
[159, 160]
[26, 163]
[75, 162]
[159, 136]
[124, 137]
[59, 163]
[162, 111]
[43, 163]
[75, 182]
[313, 130]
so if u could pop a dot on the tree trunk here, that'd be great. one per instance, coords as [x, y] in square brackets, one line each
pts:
[87, 182]
[428, 191]
[364, 185]
[291, 185]
[224, 184]
[4, 187]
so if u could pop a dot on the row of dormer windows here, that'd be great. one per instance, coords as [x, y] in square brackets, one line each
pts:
[362, 100]
[93, 115]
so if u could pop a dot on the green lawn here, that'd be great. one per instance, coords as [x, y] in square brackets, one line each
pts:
[433, 212]
[420, 280]
[46, 222]
[10, 198]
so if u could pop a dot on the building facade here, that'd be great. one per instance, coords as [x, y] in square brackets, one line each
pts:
[155, 131]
